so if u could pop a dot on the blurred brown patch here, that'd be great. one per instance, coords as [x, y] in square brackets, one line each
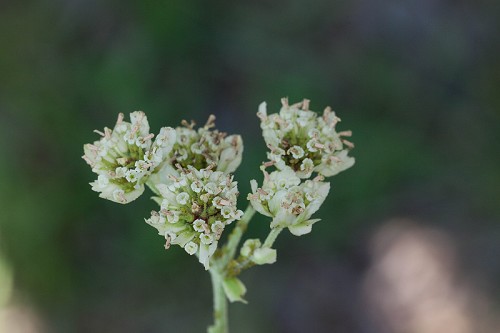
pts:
[19, 319]
[415, 284]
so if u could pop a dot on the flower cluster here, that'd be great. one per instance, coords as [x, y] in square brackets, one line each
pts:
[289, 201]
[190, 172]
[299, 139]
[194, 210]
[126, 156]
[206, 146]
[300, 142]
[201, 148]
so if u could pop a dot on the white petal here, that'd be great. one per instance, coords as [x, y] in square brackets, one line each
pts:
[321, 190]
[230, 158]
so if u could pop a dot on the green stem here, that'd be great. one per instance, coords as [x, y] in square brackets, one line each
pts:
[220, 304]
[272, 237]
[229, 250]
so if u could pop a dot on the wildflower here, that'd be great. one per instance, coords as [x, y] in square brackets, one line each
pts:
[188, 217]
[299, 139]
[126, 156]
[288, 201]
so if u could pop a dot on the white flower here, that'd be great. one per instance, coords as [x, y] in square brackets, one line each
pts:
[126, 156]
[187, 219]
[182, 198]
[191, 248]
[288, 201]
[298, 139]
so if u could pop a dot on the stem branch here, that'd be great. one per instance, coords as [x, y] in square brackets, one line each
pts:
[272, 237]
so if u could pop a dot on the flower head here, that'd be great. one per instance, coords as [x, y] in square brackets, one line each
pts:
[288, 201]
[299, 139]
[195, 208]
[206, 146]
[126, 156]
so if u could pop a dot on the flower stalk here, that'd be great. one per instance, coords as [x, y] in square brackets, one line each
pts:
[271, 238]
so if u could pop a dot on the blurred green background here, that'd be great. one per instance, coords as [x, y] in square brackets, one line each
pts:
[417, 82]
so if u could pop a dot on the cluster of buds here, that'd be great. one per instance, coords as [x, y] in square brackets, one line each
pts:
[288, 201]
[194, 210]
[126, 156]
[298, 139]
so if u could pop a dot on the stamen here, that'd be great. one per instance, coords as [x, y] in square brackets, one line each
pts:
[305, 104]
[261, 191]
[206, 228]
[210, 122]
[284, 101]
[345, 133]
[167, 242]
[148, 137]
[190, 125]
[120, 118]
[349, 144]
[268, 164]
[107, 133]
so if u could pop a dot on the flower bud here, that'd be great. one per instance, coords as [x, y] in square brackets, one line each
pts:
[253, 250]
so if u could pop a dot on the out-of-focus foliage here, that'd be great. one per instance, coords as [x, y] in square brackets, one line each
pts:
[416, 81]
